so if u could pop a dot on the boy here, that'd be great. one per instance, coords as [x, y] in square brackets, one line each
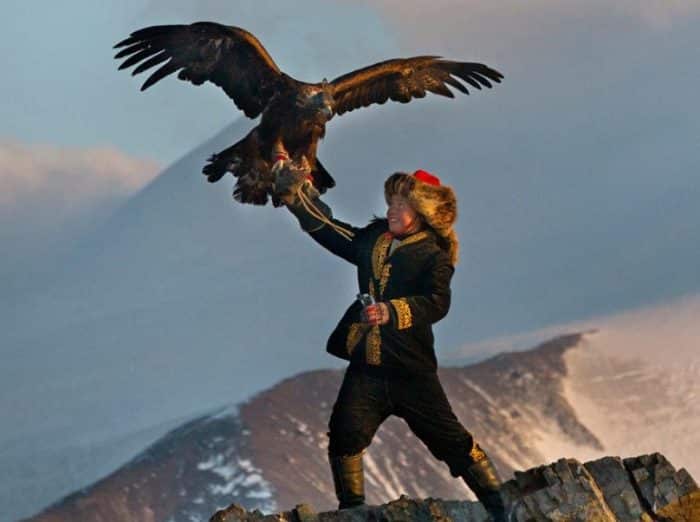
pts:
[405, 263]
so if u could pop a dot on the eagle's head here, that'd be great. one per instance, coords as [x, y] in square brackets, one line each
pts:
[316, 102]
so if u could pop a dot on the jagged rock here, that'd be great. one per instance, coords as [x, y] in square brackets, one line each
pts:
[657, 480]
[561, 491]
[399, 510]
[645, 488]
[613, 479]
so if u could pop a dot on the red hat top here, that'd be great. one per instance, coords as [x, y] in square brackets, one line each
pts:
[427, 177]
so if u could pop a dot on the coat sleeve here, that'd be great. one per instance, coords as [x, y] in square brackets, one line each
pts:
[433, 301]
[339, 239]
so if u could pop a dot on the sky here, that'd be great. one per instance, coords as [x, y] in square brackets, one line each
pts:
[577, 180]
[61, 88]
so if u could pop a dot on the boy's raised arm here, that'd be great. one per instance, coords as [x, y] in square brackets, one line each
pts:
[315, 217]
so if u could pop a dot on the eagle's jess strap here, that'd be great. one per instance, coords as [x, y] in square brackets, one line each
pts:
[308, 221]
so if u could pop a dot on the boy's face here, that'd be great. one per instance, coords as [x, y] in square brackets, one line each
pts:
[402, 218]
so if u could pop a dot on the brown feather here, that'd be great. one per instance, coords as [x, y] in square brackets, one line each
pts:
[130, 50]
[230, 57]
[406, 78]
[161, 73]
[152, 62]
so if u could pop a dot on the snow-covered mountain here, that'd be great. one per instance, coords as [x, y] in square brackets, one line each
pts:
[566, 397]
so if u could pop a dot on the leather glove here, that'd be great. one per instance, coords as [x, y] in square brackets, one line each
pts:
[289, 179]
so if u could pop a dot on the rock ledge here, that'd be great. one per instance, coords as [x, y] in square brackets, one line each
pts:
[644, 488]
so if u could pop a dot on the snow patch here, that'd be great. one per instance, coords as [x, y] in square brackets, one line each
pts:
[225, 412]
[634, 405]
[231, 477]
[480, 391]
[378, 479]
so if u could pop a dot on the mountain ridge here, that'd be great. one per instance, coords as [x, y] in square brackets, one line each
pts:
[269, 451]
[244, 451]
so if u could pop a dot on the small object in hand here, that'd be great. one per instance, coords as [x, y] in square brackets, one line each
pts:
[375, 314]
[365, 299]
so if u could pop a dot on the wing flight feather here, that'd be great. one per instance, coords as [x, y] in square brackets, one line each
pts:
[403, 79]
[229, 57]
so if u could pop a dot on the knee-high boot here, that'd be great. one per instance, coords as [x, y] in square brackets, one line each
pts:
[349, 480]
[483, 480]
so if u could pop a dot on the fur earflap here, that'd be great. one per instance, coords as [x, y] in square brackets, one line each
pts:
[436, 204]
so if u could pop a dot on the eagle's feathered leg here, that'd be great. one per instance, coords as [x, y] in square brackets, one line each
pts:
[254, 182]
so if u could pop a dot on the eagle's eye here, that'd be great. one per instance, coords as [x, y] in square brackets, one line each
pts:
[318, 103]
[308, 99]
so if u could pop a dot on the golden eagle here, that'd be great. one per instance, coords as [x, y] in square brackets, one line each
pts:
[294, 113]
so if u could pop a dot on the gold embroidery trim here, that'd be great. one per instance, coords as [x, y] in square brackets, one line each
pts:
[403, 313]
[476, 453]
[373, 352]
[381, 247]
[418, 236]
[381, 274]
[355, 333]
[384, 279]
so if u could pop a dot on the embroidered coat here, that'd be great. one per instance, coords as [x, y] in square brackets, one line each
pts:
[414, 281]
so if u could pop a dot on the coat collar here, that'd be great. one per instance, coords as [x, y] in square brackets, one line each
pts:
[410, 239]
[380, 251]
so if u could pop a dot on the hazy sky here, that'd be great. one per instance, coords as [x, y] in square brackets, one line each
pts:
[583, 65]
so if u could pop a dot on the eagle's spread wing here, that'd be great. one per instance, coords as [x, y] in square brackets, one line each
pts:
[406, 78]
[229, 57]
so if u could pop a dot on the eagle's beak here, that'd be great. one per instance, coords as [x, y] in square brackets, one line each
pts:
[328, 111]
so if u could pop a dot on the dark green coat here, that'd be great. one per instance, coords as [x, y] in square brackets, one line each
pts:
[414, 280]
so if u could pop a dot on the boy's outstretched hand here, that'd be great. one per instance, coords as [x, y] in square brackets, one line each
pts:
[289, 180]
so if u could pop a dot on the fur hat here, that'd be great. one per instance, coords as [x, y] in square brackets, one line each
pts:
[434, 202]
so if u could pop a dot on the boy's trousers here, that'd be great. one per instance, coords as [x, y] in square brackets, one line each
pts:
[368, 396]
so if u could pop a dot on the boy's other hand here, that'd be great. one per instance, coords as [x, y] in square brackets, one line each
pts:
[376, 314]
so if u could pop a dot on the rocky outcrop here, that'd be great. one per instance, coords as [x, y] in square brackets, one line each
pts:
[645, 488]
